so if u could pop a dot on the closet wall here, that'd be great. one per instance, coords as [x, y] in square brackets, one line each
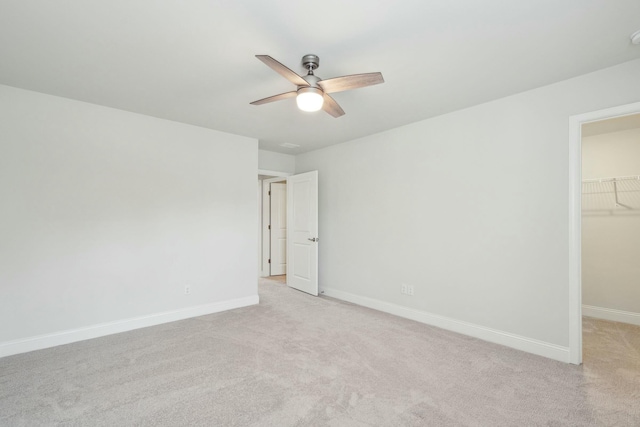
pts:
[610, 232]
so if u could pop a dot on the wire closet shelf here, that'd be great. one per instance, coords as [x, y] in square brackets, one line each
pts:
[611, 193]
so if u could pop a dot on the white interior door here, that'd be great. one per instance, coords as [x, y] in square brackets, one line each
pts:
[302, 232]
[278, 224]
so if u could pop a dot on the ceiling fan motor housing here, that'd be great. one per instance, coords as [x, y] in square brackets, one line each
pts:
[312, 80]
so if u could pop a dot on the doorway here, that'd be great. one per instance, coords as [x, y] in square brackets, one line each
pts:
[272, 216]
[274, 229]
[593, 194]
[297, 214]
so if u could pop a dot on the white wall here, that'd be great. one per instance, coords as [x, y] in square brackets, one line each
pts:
[107, 215]
[471, 208]
[610, 235]
[278, 162]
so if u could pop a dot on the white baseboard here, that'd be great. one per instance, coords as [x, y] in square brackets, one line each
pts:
[73, 335]
[611, 314]
[518, 342]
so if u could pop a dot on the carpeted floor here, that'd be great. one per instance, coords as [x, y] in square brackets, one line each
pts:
[296, 360]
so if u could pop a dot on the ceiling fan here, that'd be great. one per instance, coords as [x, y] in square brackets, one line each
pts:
[312, 93]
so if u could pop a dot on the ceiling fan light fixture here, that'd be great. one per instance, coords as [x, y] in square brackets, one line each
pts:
[309, 99]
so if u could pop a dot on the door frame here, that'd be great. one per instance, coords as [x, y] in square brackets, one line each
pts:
[575, 219]
[264, 242]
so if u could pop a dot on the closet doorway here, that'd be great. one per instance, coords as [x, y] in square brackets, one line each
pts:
[611, 219]
[605, 234]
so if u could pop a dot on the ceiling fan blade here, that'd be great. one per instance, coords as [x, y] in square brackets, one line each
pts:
[275, 98]
[282, 70]
[354, 81]
[331, 106]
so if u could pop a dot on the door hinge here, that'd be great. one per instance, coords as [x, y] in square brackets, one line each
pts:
[269, 192]
[269, 260]
[269, 226]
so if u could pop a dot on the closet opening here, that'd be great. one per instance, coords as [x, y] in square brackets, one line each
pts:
[604, 237]
[611, 241]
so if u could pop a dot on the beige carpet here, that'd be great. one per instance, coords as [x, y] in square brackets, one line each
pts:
[297, 360]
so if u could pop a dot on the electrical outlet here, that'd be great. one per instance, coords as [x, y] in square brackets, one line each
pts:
[187, 290]
[406, 289]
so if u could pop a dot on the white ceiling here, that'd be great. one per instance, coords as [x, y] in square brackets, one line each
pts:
[193, 61]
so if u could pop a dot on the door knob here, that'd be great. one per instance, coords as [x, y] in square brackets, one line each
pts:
[313, 239]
